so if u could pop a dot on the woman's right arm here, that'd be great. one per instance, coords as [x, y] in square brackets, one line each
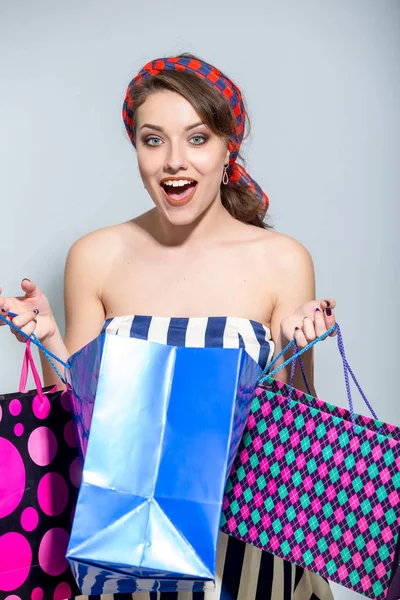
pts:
[85, 271]
[84, 310]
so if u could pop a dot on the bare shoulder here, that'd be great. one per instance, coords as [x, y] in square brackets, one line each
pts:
[104, 245]
[283, 266]
[286, 253]
[286, 270]
[275, 250]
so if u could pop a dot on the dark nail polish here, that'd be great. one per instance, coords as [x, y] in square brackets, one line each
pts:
[35, 310]
[318, 309]
[327, 302]
[25, 279]
[328, 312]
[296, 328]
[3, 310]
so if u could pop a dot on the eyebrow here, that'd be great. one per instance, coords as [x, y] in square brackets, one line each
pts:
[158, 128]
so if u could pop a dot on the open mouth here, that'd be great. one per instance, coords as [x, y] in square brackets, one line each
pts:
[178, 191]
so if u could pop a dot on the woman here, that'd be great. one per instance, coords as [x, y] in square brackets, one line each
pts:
[201, 268]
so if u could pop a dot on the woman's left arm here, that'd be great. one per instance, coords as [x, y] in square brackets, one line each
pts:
[296, 312]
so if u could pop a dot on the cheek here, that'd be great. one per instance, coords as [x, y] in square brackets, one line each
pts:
[207, 163]
[149, 162]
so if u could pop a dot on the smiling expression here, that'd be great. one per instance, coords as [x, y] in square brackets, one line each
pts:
[180, 160]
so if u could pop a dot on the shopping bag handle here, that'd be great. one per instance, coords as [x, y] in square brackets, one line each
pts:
[266, 373]
[29, 362]
[34, 340]
[292, 371]
[346, 366]
[346, 369]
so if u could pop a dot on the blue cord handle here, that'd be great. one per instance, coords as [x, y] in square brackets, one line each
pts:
[264, 375]
[34, 340]
[346, 368]
[49, 354]
[295, 356]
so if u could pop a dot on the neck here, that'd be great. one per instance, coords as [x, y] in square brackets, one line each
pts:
[207, 226]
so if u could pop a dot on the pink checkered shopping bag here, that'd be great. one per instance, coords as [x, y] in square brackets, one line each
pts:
[319, 486]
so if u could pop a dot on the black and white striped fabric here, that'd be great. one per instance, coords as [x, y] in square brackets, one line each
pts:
[243, 571]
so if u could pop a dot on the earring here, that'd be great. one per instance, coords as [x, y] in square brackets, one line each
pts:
[225, 177]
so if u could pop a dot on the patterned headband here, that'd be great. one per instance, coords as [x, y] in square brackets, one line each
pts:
[219, 82]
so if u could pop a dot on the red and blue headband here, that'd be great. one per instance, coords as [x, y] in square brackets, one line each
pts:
[219, 82]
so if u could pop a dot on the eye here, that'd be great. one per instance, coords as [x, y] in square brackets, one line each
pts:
[153, 141]
[199, 139]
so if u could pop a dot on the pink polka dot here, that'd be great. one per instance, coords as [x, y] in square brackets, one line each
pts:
[52, 494]
[41, 410]
[42, 446]
[62, 591]
[75, 472]
[69, 435]
[66, 400]
[12, 477]
[29, 519]
[15, 407]
[37, 594]
[15, 561]
[19, 429]
[12, 597]
[52, 550]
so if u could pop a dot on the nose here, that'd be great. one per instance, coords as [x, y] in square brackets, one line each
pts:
[176, 157]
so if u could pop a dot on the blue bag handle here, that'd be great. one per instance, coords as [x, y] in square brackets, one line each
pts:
[346, 369]
[34, 340]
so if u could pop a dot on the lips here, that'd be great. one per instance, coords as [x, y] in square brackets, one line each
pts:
[178, 195]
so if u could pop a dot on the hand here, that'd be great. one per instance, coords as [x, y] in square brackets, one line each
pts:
[309, 321]
[33, 310]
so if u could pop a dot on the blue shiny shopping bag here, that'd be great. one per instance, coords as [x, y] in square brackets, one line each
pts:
[159, 427]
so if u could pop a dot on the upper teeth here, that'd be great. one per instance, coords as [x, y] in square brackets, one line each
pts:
[176, 182]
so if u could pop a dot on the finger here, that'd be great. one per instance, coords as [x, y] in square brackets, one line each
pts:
[24, 318]
[327, 302]
[8, 320]
[300, 338]
[319, 322]
[4, 308]
[28, 330]
[308, 330]
[30, 288]
[330, 319]
[308, 309]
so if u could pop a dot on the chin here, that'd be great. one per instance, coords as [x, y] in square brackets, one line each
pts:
[185, 215]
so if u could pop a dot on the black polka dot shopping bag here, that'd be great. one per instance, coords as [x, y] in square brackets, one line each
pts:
[39, 480]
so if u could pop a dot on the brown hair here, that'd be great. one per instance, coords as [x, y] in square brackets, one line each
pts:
[216, 114]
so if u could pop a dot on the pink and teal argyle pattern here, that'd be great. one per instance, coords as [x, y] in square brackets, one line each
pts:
[305, 487]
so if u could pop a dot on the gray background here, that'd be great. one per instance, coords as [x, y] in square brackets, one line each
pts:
[322, 82]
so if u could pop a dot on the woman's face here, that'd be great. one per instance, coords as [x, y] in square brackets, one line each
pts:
[180, 161]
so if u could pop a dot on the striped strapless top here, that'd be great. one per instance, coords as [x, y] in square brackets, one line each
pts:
[198, 332]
